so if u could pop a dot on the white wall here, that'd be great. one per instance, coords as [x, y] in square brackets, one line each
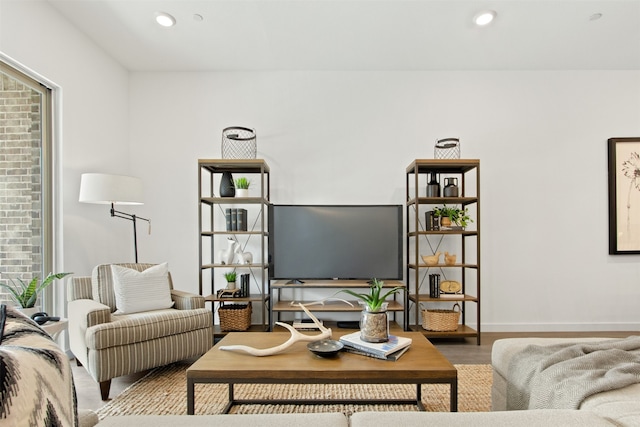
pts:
[93, 128]
[540, 136]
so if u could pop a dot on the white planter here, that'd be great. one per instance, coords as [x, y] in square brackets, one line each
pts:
[30, 311]
[242, 192]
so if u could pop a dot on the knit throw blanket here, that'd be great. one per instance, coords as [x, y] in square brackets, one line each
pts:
[36, 382]
[561, 376]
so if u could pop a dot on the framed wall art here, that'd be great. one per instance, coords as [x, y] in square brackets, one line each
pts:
[624, 196]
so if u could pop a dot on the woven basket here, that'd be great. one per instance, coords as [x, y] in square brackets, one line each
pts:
[441, 320]
[235, 317]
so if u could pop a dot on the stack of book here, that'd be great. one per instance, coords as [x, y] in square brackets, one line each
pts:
[236, 219]
[390, 350]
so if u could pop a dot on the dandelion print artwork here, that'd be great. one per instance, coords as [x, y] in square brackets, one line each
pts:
[624, 195]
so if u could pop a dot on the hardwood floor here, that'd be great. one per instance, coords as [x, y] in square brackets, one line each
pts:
[463, 351]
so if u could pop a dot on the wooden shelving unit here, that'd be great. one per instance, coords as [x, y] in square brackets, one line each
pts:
[213, 234]
[420, 241]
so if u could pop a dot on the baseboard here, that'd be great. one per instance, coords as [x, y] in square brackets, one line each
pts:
[560, 327]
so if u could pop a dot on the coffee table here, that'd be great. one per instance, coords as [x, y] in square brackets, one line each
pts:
[422, 364]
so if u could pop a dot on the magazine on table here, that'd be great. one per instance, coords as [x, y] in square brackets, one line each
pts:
[382, 349]
[392, 357]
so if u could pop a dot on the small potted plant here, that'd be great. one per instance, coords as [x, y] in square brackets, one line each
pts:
[231, 279]
[242, 187]
[26, 294]
[374, 322]
[452, 215]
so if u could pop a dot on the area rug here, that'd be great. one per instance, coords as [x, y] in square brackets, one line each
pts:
[163, 392]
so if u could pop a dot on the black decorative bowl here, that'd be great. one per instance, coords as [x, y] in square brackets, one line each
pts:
[325, 348]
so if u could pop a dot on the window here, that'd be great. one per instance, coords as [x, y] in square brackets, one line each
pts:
[25, 178]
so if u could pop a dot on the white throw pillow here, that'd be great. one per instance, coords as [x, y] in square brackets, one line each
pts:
[141, 291]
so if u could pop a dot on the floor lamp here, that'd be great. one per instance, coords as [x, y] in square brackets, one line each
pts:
[108, 189]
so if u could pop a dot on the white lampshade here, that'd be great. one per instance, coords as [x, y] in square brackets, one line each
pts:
[106, 189]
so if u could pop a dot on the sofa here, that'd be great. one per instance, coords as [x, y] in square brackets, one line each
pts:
[36, 381]
[143, 324]
[619, 407]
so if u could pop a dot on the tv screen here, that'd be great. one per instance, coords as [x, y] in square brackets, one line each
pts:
[335, 242]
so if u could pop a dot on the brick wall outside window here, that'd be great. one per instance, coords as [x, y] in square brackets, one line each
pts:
[20, 181]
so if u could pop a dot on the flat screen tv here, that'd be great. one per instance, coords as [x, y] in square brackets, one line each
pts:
[357, 242]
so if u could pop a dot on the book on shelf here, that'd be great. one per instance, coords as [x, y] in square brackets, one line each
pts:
[392, 357]
[234, 219]
[241, 221]
[227, 217]
[244, 285]
[382, 349]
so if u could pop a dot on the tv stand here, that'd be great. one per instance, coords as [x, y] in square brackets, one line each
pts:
[286, 297]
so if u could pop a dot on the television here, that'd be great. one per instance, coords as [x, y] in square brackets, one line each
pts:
[349, 242]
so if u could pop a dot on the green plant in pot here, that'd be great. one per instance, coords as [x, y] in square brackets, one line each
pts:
[458, 216]
[374, 322]
[242, 187]
[231, 279]
[26, 294]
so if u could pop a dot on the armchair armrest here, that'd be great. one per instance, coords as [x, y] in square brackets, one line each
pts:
[84, 313]
[186, 300]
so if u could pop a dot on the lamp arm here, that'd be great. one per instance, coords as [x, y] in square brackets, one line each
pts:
[132, 218]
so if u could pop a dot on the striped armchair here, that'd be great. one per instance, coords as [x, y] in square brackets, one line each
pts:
[109, 344]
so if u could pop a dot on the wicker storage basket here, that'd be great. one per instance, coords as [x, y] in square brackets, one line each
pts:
[441, 320]
[235, 317]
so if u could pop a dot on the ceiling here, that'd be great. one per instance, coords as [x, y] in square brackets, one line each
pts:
[362, 34]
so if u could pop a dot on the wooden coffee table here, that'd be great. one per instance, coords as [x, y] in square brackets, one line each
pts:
[422, 364]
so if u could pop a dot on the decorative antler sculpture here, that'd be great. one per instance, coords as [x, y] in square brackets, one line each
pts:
[295, 337]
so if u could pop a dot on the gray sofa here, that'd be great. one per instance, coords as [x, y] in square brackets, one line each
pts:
[564, 418]
[619, 407]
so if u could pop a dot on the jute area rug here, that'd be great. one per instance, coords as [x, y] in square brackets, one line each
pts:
[163, 392]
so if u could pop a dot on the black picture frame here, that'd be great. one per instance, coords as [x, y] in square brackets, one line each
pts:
[624, 195]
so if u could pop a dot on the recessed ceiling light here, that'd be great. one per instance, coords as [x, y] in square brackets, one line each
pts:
[197, 17]
[484, 18]
[165, 20]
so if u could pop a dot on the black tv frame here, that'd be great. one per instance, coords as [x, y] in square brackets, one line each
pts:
[300, 241]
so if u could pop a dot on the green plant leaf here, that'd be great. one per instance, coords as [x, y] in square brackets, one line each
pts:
[25, 294]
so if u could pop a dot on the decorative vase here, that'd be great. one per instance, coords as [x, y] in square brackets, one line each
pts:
[445, 221]
[227, 189]
[450, 187]
[433, 186]
[374, 325]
